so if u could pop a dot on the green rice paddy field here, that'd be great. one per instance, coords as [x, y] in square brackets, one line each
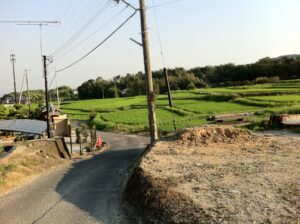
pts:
[190, 107]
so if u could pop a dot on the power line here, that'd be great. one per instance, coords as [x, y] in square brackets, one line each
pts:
[158, 35]
[108, 37]
[65, 12]
[60, 37]
[92, 34]
[77, 34]
[164, 67]
[128, 4]
[80, 31]
[163, 4]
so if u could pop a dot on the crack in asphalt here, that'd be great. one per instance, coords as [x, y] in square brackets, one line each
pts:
[46, 212]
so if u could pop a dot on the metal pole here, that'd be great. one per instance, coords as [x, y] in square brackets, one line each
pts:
[147, 64]
[13, 60]
[46, 95]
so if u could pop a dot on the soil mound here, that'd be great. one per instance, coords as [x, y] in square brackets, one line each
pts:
[219, 174]
[213, 134]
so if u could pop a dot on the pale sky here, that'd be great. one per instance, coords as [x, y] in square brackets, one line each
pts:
[193, 33]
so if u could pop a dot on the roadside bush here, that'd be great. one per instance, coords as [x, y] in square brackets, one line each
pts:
[2, 112]
[92, 115]
[17, 106]
[37, 113]
[11, 112]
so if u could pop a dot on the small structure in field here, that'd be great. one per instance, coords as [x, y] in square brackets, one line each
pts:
[238, 117]
[285, 120]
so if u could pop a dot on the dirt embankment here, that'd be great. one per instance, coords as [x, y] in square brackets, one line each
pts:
[215, 174]
[27, 161]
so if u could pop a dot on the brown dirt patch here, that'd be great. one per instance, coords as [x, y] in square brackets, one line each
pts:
[26, 162]
[220, 174]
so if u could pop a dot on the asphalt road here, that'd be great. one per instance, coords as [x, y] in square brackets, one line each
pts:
[87, 191]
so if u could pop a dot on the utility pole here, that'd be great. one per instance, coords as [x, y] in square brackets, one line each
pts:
[147, 65]
[28, 94]
[168, 87]
[21, 92]
[149, 80]
[46, 95]
[57, 92]
[13, 60]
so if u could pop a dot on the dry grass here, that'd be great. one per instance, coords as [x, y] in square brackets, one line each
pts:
[24, 164]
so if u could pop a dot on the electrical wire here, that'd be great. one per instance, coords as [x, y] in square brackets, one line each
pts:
[102, 42]
[80, 31]
[92, 34]
[59, 38]
[163, 59]
[163, 4]
[65, 12]
[158, 35]
[68, 41]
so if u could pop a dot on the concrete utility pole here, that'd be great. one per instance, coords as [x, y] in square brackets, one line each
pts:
[57, 92]
[147, 64]
[168, 87]
[21, 92]
[13, 60]
[28, 93]
[46, 95]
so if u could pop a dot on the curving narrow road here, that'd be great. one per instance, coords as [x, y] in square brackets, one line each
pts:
[87, 191]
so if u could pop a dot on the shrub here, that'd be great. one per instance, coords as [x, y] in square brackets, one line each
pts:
[11, 113]
[261, 80]
[191, 85]
[17, 106]
[92, 115]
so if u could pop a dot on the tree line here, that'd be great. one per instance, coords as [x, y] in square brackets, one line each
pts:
[38, 96]
[263, 71]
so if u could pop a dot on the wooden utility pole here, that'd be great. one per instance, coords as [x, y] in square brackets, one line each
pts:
[149, 80]
[13, 60]
[46, 95]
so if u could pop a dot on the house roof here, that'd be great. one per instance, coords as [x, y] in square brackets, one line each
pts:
[24, 125]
